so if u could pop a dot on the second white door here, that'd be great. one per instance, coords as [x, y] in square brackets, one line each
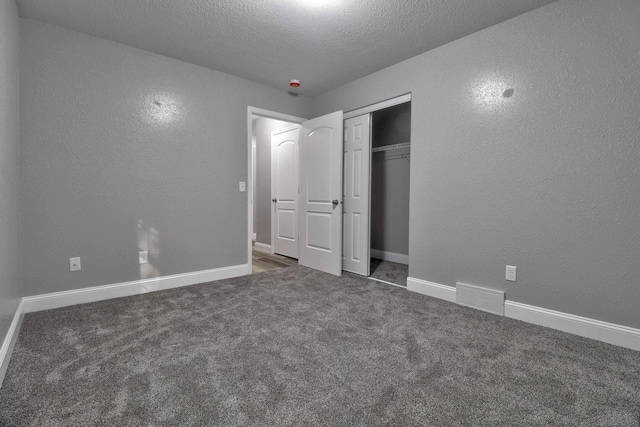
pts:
[357, 163]
[284, 191]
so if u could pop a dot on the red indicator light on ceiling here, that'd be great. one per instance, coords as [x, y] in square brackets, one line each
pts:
[294, 83]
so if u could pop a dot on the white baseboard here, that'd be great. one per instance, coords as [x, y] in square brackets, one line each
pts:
[435, 290]
[598, 330]
[611, 333]
[390, 256]
[10, 340]
[99, 293]
[263, 247]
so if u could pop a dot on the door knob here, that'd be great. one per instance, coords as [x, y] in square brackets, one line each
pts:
[334, 203]
[274, 200]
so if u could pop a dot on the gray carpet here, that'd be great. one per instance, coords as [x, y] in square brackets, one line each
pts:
[388, 271]
[298, 347]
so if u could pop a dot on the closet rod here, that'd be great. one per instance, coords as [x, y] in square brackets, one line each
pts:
[391, 147]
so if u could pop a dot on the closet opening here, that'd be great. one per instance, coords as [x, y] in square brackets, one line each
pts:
[390, 161]
[377, 156]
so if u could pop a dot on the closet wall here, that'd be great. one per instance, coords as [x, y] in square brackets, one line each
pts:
[390, 181]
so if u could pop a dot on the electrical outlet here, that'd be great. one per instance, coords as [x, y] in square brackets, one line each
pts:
[510, 273]
[143, 257]
[74, 264]
[243, 186]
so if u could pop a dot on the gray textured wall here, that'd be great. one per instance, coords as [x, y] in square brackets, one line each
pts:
[390, 181]
[10, 263]
[547, 179]
[122, 149]
[263, 128]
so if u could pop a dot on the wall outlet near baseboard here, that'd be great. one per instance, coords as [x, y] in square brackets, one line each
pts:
[143, 257]
[74, 264]
[510, 273]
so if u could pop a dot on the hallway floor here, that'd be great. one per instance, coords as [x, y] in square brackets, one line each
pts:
[264, 261]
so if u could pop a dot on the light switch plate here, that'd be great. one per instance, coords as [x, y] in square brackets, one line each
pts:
[143, 257]
[243, 186]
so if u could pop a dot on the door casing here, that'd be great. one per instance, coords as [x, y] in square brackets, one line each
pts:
[254, 111]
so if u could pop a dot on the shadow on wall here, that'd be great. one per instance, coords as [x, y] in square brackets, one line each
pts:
[149, 241]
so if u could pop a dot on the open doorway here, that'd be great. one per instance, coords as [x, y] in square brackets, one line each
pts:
[264, 128]
[317, 225]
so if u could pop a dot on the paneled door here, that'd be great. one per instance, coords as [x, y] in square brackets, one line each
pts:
[320, 210]
[284, 191]
[357, 164]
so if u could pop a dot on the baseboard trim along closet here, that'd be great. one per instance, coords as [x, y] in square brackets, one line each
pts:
[10, 340]
[262, 247]
[598, 330]
[136, 287]
[390, 256]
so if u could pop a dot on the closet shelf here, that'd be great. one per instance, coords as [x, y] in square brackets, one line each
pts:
[403, 146]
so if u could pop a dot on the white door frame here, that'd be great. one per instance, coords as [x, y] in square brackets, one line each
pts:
[254, 111]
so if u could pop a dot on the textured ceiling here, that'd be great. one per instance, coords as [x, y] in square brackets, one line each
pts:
[273, 41]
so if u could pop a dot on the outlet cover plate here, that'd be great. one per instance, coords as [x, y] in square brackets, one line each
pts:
[510, 273]
[143, 257]
[74, 264]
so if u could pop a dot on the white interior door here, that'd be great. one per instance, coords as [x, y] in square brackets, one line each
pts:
[357, 165]
[321, 193]
[284, 191]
